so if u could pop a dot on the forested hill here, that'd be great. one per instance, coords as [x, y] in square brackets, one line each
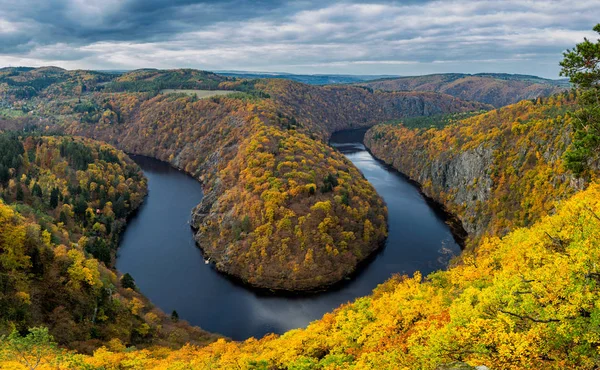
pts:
[526, 300]
[21, 83]
[63, 206]
[317, 79]
[267, 186]
[492, 88]
[497, 171]
[331, 108]
[269, 179]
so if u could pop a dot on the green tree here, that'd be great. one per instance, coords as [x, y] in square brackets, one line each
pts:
[127, 281]
[34, 349]
[329, 182]
[174, 316]
[37, 190]
[20, 195]
[582, 66]
[63, 217]
[54, 198]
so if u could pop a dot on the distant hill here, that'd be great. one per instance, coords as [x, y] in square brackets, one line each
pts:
[154, 80]
[318, 79]
[50, 82]
[275, 121]
[497, 89]
[326, 109]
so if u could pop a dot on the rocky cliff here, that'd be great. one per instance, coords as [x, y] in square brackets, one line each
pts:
[495, 171]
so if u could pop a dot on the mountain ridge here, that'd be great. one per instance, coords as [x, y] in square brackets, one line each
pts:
[497, 89]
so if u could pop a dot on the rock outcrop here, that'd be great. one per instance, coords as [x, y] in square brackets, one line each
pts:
[497, 171]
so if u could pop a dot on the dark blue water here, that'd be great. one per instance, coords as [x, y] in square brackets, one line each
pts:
[158, 250]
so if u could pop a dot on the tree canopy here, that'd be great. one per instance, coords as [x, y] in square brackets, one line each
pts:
[582, 65]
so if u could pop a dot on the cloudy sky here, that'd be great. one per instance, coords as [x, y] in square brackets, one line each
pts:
[384, 37]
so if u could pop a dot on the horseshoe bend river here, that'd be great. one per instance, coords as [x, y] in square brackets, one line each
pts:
[159, 251]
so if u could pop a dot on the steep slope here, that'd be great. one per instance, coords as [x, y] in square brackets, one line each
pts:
[280, 211]
[328, 109]
[495, 89]
[64, 205]
[496, 171]
[526, 301]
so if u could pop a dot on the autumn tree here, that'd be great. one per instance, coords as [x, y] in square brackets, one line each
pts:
[582, 66]
[34, 349]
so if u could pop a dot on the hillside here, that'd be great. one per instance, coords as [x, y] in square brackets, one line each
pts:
[314, 79]
[266, 185]
[268, 179]
[495, 89]
[64, 205]
[495, 171]
[156, 80]
[327, 109]
[528, 300]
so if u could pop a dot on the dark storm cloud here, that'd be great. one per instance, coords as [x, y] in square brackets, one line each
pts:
[301, 36]
[81, 22]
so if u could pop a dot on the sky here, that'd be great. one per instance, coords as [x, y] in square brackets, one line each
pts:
[307, 37]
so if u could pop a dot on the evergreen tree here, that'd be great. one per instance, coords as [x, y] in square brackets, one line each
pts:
[37, 190]
[63, 217]
[54, 198]
[582, 66]
[127, 281]
[20, 195]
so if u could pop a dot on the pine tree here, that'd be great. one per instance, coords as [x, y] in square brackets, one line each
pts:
[127, 281]
[20, 194]
[582, 66]
[54, 198]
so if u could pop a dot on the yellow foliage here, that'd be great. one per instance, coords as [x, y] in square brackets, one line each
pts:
[528, 300]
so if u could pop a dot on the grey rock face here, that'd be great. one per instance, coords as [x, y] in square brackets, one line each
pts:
[467, 176]
[488, 186]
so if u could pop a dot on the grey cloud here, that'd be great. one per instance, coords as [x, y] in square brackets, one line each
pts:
[299, 36]
[80, 21]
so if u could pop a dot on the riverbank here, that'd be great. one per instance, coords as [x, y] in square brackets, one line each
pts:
[160, 252]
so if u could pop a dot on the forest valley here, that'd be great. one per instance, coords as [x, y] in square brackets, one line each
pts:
[282, 210]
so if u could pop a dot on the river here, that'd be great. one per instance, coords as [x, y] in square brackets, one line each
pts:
[159, 251]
